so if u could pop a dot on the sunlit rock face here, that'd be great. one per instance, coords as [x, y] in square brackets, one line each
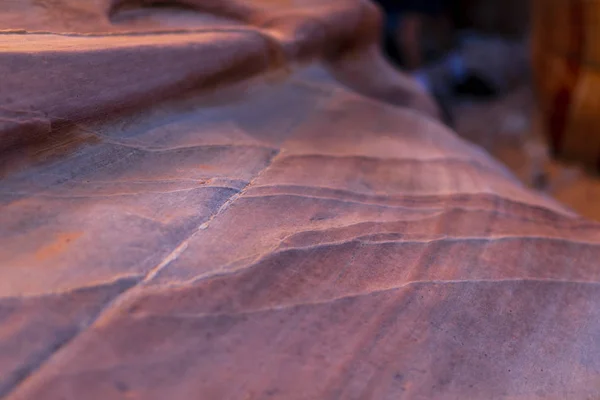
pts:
[244, 200]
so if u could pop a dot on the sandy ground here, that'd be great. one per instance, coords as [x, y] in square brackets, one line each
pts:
[508, 129]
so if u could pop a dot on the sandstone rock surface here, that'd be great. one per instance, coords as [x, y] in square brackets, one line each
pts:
[242, 200]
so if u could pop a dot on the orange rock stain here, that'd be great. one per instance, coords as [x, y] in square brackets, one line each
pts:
[56, 247]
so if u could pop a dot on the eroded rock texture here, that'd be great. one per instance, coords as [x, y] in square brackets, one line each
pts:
[242, 200]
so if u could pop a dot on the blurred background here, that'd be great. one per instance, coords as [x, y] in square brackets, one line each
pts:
[514, 76]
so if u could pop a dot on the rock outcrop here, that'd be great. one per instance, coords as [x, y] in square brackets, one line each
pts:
[243, 200]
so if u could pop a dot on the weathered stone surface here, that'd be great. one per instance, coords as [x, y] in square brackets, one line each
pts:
[255, 205]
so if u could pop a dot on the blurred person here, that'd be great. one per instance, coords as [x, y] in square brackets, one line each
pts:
[473, 64]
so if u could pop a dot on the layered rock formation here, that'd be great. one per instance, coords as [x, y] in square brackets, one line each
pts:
[243, 200]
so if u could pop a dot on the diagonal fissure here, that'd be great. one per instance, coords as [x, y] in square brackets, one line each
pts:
[26, 373]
